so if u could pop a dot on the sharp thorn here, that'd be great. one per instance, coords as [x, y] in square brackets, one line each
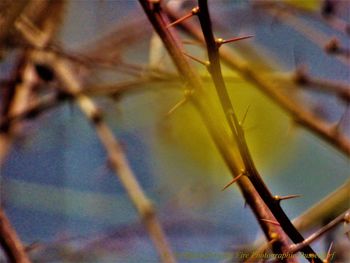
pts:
[286, 197]
[329, 254]
[221, 41]
[232, 181]
[244, 116]
[193, 12]
[205, 63]
[271, 222]
[181, 19]
[176, 106]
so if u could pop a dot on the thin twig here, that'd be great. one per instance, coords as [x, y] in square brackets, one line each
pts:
[10, 242]
[345, 217]
[116, 156]
[119, 164]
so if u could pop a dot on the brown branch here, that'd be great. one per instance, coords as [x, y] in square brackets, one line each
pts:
[345, 217]
[340, 89]
[317, 37]
[302, 116]
[202, 102]
[116, 156]
[9, 16]
[10, 242]
[335, 203]
[236, 129]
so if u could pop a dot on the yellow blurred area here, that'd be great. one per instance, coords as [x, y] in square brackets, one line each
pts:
[308, 5]
[183, 132]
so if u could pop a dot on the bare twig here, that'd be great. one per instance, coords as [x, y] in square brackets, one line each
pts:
[345, 217]
[10, 242]
[116, 156]
[317, 37]
[340, 89]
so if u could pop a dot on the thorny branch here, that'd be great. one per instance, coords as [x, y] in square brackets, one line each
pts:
[236, 129]
[297, 111]
[157, 19]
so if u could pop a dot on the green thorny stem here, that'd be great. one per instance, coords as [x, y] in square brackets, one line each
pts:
[253, 195]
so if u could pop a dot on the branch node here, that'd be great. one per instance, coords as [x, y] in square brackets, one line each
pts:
[332, 46]
[300, 76]
[154, 5]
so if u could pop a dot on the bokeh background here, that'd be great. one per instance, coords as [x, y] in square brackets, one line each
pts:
[63, 199]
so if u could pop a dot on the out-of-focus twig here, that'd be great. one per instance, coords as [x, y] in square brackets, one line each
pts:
[116, 156]
[10, 242]
[119, 164]
[317, 37]
[8, 15]
[344, 217]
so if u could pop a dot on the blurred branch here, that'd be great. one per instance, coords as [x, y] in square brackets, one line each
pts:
[10, 242]
[309, 32]
[327, 14]
[340, 89]
[116, 157]
[8, 16]
[298, 112]
[344, 217]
